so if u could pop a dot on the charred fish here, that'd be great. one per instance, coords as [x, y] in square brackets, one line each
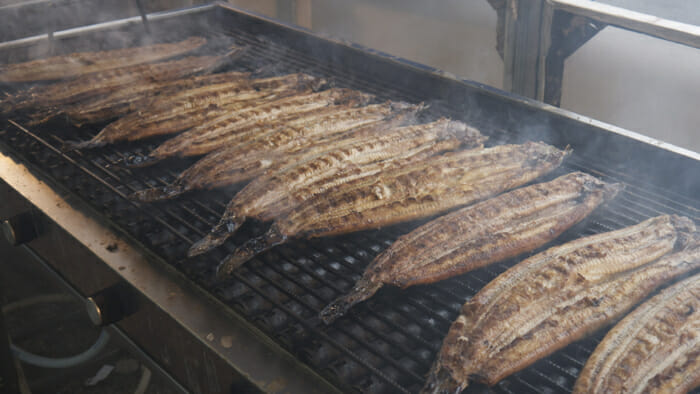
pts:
[190, 108]
[654, 349]
[559, 296]
[472, 237]
[411, 192]
[294, 112]
[64, 66]
[244, 161]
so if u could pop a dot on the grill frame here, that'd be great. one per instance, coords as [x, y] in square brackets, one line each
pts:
[603, 150]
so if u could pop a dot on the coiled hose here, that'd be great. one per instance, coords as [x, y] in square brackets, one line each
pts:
[50, 362]
[66, 362]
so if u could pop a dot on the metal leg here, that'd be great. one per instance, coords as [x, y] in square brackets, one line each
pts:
[144, 19]
[286, 10]
[521, 46]
[568, 33]
[534, 40]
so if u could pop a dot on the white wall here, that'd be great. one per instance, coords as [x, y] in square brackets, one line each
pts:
[638, 82]
[458, 37]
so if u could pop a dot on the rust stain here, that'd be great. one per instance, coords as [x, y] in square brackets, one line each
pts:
[276, 385]
[226, 341]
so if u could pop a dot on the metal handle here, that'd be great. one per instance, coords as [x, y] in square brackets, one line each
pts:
[110, 305]
[19, 229]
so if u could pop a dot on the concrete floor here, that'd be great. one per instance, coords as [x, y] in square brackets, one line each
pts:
[627, 79]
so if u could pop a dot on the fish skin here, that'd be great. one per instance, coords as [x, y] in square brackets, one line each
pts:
[192, 107]
[559, 296]
[654, 349]
[240, 127]
[84, 87]
[306, 171]
[134, 98]
[228, 92]
[415, 191]
[64, 66]
[256, 163]
[243, 161]
[475, 236]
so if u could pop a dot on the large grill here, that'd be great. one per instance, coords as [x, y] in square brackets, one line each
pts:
[388, 343]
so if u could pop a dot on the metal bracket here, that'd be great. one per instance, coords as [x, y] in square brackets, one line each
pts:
[535, 37]
[51, 26]
[569, 33]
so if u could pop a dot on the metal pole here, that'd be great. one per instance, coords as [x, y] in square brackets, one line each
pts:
[142, 12]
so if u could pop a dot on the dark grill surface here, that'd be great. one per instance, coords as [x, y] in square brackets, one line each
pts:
[384, 345]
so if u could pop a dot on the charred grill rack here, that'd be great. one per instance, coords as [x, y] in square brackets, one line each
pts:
[388, 343]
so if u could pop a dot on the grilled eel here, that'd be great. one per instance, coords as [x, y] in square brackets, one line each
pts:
[406, 193]
[301, 173]
[65, 66]
[559, 296]
[235, 130]
[654, 349]
[190, 108]
[472, 237]
[243, 161]
[332, 162]
[139, 96]
[100, 83]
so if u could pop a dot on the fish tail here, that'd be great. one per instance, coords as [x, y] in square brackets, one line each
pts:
[43, 116]
[610, 190]
[158, 193]
[248, 250]
[9, 103]
[136, 161]
[362, 290]
[234, 52]
[89, 144]
[217, 236]
[440, 381]
[229, 57]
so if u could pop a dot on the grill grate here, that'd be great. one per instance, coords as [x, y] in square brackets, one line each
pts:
[386, 344]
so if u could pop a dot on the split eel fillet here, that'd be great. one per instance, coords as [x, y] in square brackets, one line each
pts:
[138, 96]
[243, 161]
[193, 107]
[484, 233]
[240, 127]
[559, 296]
[79, 63]
[307, 175]
[89, 86]
[654, 349]
[406, 193]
